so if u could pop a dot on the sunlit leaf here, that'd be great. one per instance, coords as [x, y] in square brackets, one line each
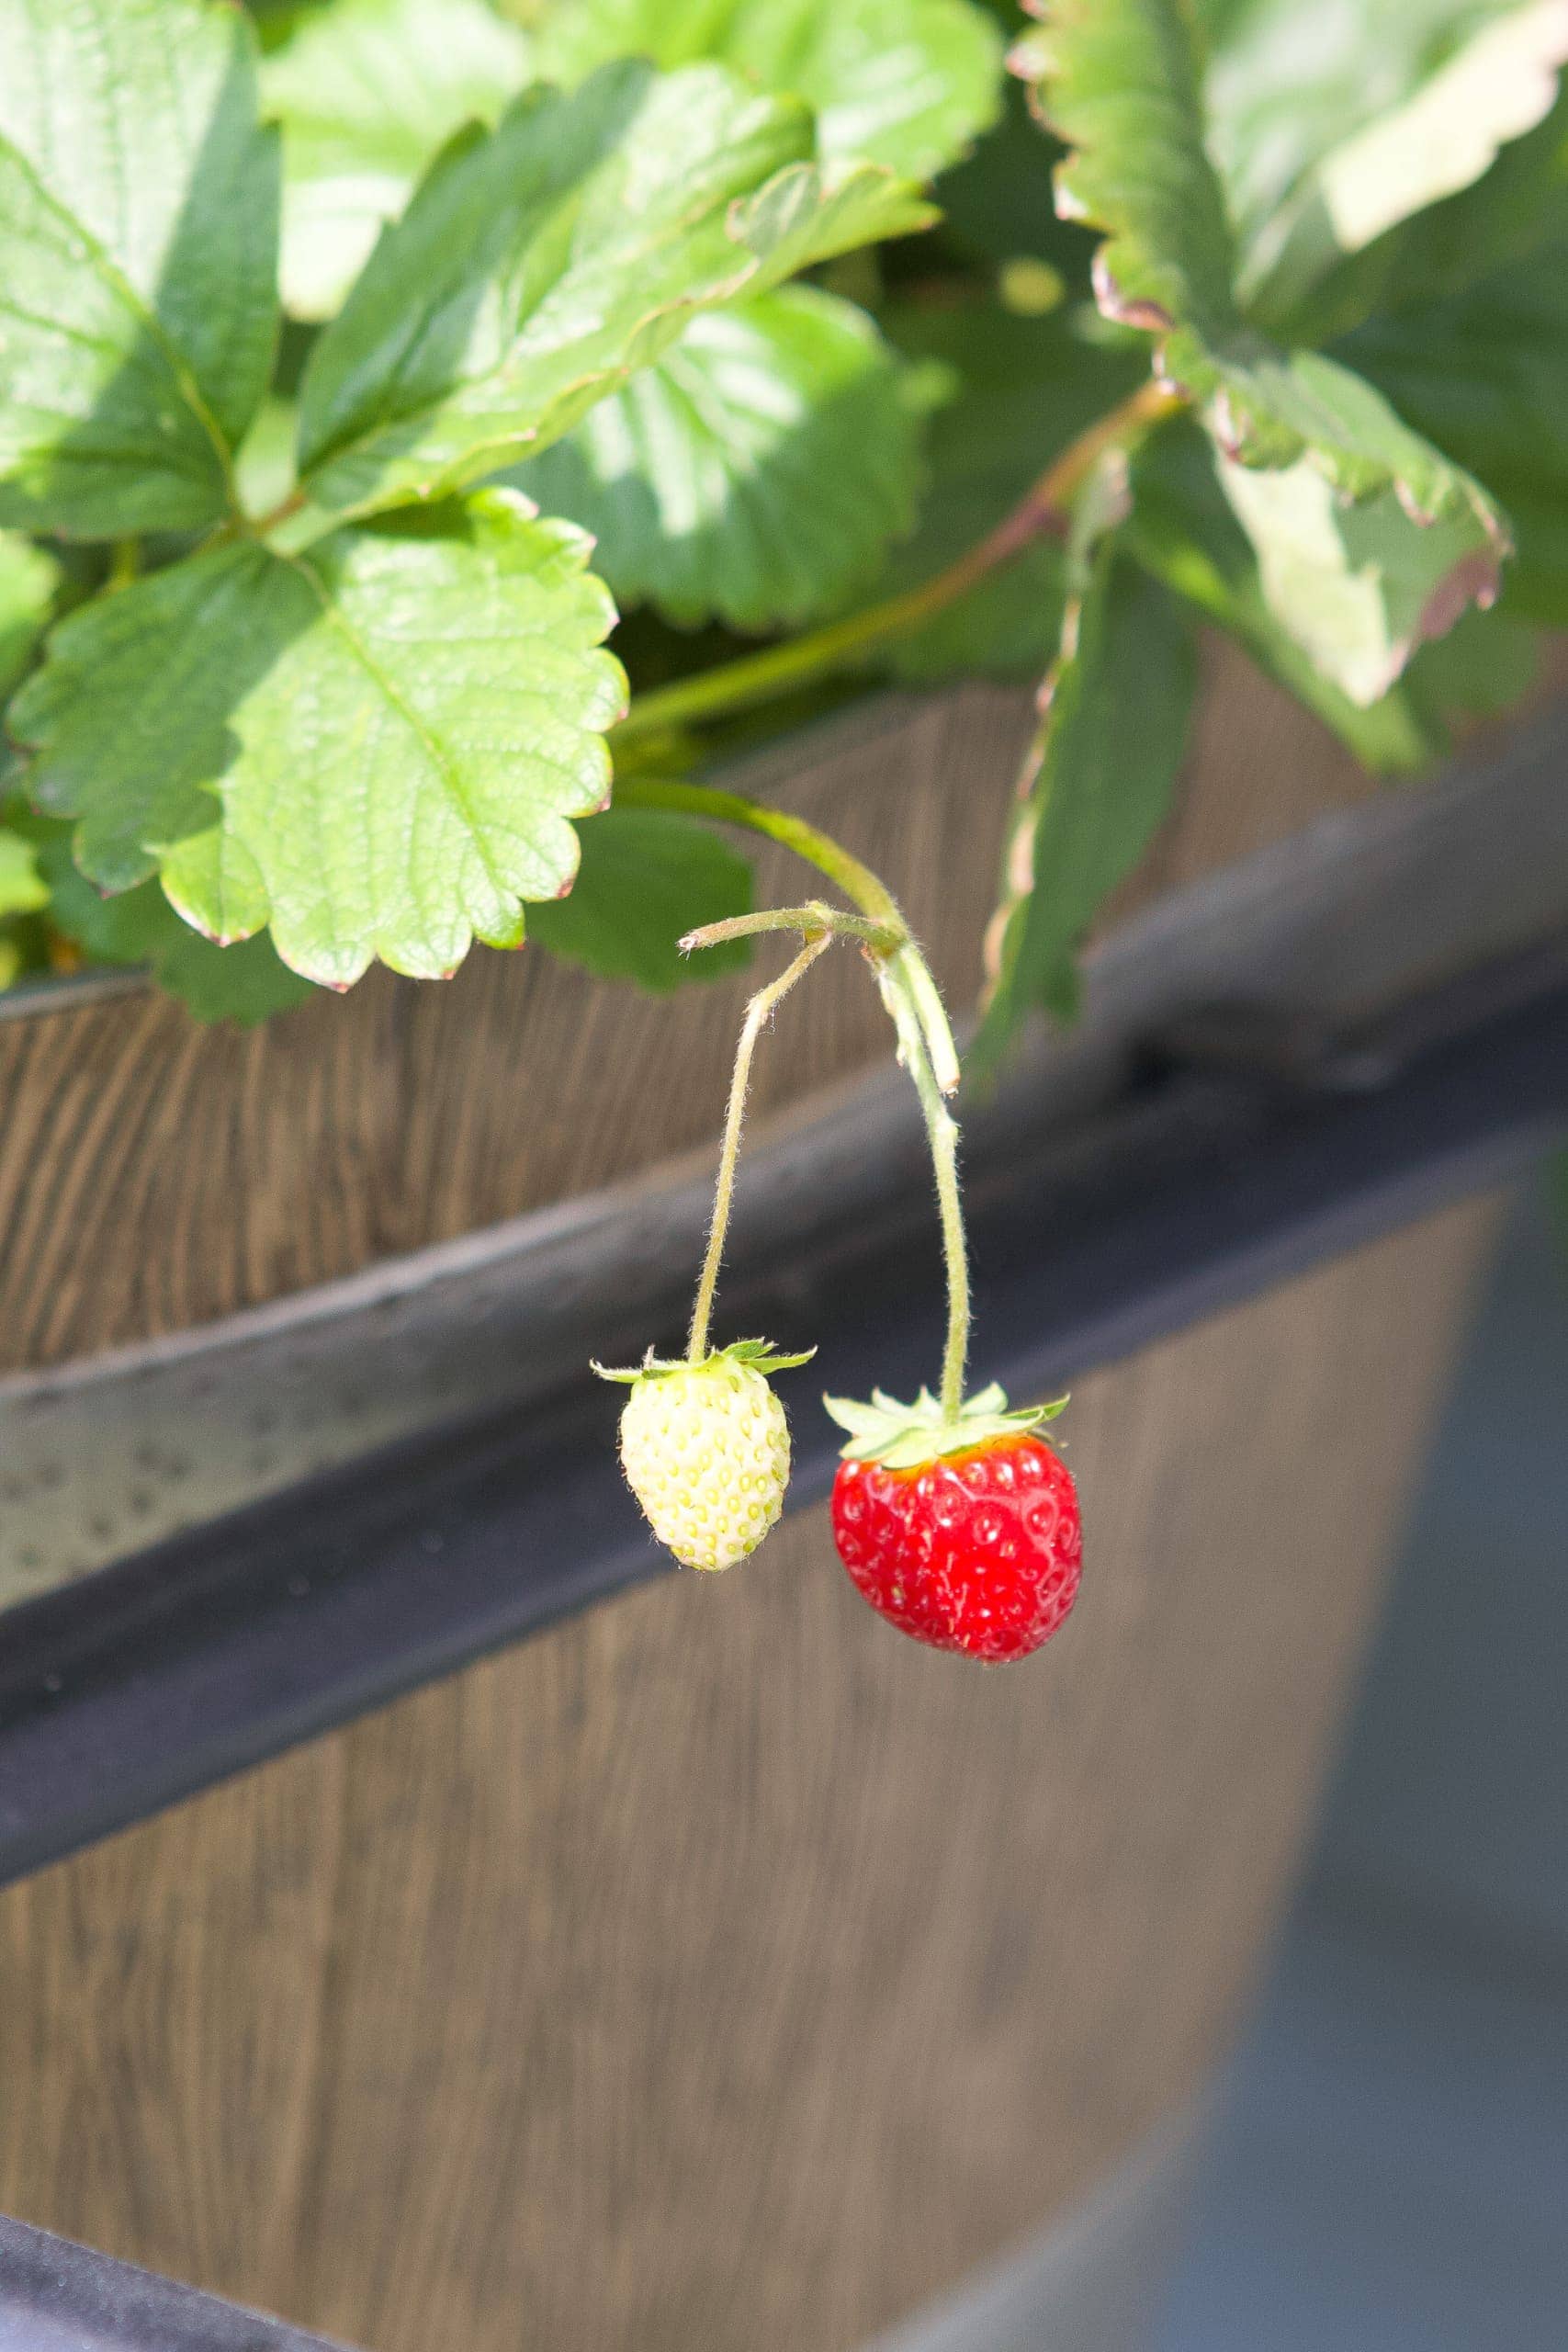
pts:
[375, 747]
[756, 471]
[138, 255]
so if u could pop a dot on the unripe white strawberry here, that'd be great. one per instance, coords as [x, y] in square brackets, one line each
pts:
[705, 1450]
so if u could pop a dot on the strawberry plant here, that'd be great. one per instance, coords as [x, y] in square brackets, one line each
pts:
[427, 428]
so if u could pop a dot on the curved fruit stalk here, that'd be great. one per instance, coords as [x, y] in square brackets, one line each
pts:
[954, 1517]
[704, 1442]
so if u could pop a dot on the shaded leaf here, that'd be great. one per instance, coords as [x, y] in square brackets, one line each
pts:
[137, 252]
[1486, 663]
[1182, 529]
[367, 93]
[1356, 584]
[1516, 210]
[902, 83]
[645, 879]
[28, 579]
[999, 200]
[375, 747]
[1117, 81]
[1486, 374]
[1118, 77]
[538, 266]
[1113, 734]
[1287, 86]
[245, 982]
[23, 890]
[756, 471]
[1012, 392]
[1498, 84]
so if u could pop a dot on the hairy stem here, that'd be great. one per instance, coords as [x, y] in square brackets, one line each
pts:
[758, 1014]
[943, 1133]
[811, 921]
[1043, 512]
[910, 994]
[856, 881]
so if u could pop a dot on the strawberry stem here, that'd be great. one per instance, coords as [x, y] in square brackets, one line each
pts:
[810, 921]
[1042, 513]
[942, 1131]
[758, 1014]
[856, 881]
[910, 992]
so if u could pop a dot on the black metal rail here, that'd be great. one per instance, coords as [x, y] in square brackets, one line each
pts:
[1241, 1150]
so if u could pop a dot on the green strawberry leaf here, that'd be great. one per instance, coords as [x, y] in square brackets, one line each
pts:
[1507, 216]
[814, 214]
[1356, 584]
[902, 83]
[645, 879]
[244, 983]
[375, 746]
[1100, 775]
[23, 890]
[1485, 372]
[540, 265]
[138, 253]
[756, 472]
[1011, 392]
[1517, 209]
[1117, 81]
[1183, 530]
[1497, 85]
[1486, 663]
[1286, 89]
[1117, 77]
[29, 580]
[367, 93]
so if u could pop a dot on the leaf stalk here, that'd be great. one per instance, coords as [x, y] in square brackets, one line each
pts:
[1043, 512]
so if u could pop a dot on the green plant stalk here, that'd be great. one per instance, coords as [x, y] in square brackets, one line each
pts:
[857, 882]
[1043, 512]
[942, 1131]
[809, 921]
[913, 1000]
[758, 1014]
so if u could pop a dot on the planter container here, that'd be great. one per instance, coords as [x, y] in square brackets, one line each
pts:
[714, 1969]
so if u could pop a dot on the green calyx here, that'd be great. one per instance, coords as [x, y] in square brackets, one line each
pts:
[756, 1355]
[903, 1436]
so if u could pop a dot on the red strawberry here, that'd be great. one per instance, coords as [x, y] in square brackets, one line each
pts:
[964, 1534]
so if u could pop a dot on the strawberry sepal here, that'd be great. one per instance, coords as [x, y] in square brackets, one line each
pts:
[902, 1437]
[758, 1355]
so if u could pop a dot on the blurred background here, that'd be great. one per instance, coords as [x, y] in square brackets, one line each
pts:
[1386, 2169]
[1391, 2172]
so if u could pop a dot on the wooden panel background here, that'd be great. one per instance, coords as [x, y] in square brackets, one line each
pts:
[722, 1971]
[719, 1971]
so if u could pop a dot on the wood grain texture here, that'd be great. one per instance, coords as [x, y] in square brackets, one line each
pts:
[722, 1970]
[155, 1174]
[719, 1973]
